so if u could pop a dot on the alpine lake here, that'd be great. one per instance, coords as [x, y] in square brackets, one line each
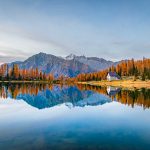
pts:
[74, 117]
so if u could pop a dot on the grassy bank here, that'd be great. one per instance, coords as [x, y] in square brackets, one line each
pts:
[120, 83]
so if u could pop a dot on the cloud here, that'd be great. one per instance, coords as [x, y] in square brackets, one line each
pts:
[8, 59]
[59, 28]
[27, 42]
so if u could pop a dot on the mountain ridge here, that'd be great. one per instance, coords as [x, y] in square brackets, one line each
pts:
[70, 66]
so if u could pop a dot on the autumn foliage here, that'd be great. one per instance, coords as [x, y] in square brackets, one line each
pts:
[138, 68]
[15, 73]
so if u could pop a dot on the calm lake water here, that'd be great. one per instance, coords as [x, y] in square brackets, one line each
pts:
[73, 117]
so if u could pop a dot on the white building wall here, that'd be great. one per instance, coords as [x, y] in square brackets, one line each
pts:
[109, 78]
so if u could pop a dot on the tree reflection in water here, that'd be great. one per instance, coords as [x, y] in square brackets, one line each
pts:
[73, 93]
[140, 97]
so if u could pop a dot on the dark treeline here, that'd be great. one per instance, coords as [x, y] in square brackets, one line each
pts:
[139, 69]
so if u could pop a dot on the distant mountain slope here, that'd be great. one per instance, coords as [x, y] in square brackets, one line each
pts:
[70, 66]
[94, 62]
[52, 64]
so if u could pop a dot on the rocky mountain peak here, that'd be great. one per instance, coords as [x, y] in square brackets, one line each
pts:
[70, 57]
[71, 65]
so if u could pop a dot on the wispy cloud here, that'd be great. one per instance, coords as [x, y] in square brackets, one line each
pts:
[8, 59]
[94, 28]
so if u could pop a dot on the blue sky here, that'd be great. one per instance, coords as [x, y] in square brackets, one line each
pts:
[112, 29]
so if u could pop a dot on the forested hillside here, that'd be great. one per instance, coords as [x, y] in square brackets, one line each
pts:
[137, 68]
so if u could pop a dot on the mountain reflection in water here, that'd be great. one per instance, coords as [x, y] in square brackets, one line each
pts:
[45, 96]
[103, 124]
